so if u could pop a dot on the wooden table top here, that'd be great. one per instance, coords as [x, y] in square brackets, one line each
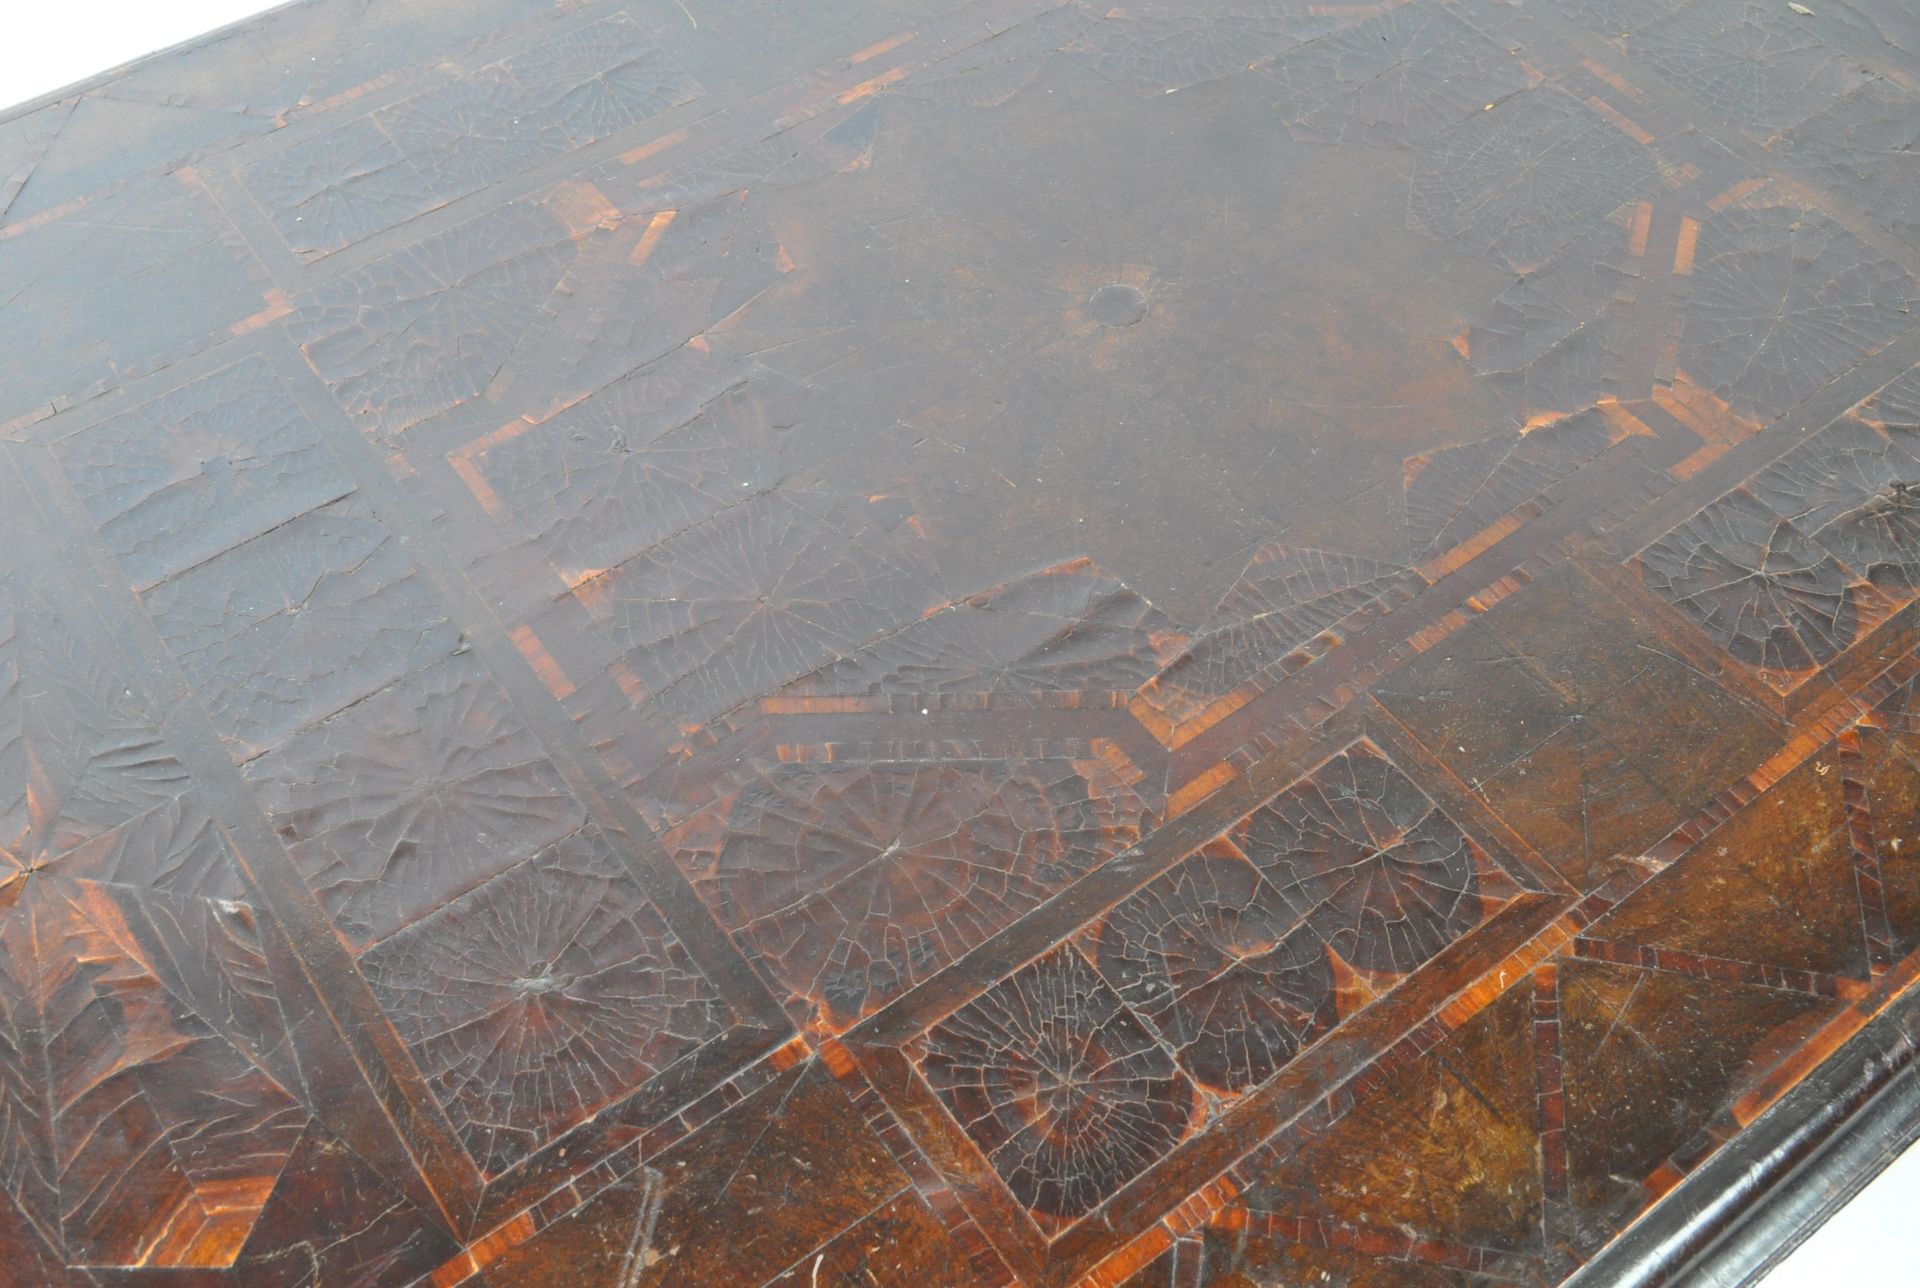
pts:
[948, 642]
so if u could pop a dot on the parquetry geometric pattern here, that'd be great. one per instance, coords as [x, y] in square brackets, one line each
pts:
[947, 641]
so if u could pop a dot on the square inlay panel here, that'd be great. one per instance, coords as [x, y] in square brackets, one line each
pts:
[976, 642]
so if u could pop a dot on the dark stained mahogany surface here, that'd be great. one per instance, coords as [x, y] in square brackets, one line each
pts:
[947, 642]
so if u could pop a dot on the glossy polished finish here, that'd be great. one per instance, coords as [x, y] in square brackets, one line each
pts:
[954, 642]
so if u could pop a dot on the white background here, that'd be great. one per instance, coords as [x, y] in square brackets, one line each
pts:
[49, 44]
[1868, 1242]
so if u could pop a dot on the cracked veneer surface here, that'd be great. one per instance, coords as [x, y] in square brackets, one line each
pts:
[946, 642]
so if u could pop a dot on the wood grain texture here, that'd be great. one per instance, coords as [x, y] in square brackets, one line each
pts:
[949, 642]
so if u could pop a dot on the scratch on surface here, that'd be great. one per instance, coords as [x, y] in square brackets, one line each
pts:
[640, 1255]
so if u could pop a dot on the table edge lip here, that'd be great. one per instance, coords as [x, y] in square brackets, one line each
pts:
[1760, 1195]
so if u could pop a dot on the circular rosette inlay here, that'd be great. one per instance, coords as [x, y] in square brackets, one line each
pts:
[1771, 596]
[1062, 1088]
[852, 883]
[572, 990]
[1210, 955]
[1372, 865]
